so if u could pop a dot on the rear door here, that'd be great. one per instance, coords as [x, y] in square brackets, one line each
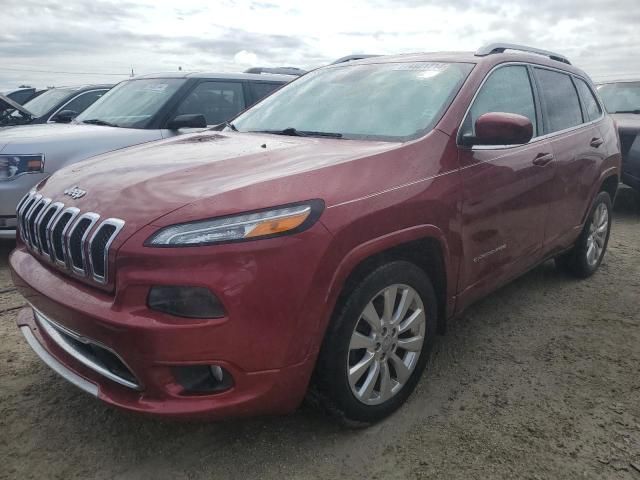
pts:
[505, 188]
[575, 140]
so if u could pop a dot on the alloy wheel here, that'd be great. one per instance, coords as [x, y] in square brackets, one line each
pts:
[597, 238]
[386, 344]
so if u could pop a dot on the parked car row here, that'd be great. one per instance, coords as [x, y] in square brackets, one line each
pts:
[24, 94]
[56, 105]
[140, 110]
[312, 245]
[622, 100]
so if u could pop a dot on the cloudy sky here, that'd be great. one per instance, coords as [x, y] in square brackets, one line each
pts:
[65, 42]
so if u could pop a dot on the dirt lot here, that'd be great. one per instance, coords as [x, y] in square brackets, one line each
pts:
[539, 380]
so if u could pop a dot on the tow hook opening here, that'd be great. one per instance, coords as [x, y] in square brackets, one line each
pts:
[203, 379]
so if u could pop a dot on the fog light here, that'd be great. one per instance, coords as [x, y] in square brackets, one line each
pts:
[203, 379]
[188, 302]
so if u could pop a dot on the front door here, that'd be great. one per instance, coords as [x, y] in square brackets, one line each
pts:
[505, 190]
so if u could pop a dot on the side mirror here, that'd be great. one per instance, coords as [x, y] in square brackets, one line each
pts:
[65, 116]
[190, 120]
[499, 128]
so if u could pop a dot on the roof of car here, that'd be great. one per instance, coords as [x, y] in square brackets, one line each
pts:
[627, 80]
[82, 87]
[269, 77]
[466, 57]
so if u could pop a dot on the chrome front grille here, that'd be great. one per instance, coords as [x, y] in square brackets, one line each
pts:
[76, 241]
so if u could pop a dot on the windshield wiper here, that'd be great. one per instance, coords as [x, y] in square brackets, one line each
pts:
[292, 132]
[97, 121]
[636, 111]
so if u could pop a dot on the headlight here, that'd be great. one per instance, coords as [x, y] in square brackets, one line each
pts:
[262, 224]
[13, 165]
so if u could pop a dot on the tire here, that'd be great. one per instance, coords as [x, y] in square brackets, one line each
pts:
[332, 388]
[582, 261]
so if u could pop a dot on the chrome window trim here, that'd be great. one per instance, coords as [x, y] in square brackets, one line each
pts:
[42, 159]
[54, 331]
[540, 137]
[74, 213]
[119, 225]
[93, 218]
[36, 222]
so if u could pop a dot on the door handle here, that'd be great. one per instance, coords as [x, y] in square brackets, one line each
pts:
[596, 142]
[542, 159]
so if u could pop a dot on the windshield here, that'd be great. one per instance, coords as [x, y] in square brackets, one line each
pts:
[621, 97]
[131, 104]
[392, 101]
[47, 101]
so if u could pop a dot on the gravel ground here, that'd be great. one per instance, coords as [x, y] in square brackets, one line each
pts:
[539, 380]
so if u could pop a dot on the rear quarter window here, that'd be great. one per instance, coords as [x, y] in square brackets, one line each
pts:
[591, 106]
[560, 100]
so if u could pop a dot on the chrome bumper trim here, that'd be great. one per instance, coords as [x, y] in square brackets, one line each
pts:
[56, 366]
[56, 333]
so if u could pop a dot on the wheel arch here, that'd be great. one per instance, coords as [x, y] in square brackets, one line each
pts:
[610, 185]
[424, 246]
[608, 182]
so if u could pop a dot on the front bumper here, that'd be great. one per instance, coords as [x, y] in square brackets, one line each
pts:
[265, 344]
[254, 393]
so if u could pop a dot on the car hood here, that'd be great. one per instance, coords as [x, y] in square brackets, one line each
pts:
[145, 182]
[627, 122]
[48, 137]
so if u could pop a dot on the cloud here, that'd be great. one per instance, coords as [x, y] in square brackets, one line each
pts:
[110, 36]
[245, 58]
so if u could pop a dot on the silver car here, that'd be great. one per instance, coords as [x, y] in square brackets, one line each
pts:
[136, 111]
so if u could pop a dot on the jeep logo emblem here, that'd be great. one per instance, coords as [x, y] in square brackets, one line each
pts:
[75, 192]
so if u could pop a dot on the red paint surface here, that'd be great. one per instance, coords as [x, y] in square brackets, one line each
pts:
[279, 293]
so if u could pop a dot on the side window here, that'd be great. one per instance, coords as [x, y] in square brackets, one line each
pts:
[560, 100]
[217, 101]
[507, 90]
[261, 90]
[592, 109]
[82, 102]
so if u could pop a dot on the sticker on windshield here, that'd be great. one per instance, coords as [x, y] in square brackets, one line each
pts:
[158, 87]
[421, 67]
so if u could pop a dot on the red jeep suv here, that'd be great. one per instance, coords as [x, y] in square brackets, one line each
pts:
[318, 243]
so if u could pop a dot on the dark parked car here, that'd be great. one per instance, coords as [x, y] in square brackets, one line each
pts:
[23, 94]
[622, 100]
[57, 105]
[319, 242]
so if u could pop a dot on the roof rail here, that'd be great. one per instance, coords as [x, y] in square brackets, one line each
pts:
[277, 70]
[493, 48]
[351, 58]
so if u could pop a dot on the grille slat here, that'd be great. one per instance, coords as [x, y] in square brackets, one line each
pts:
[64, 236]
[27, 217]
[99, 245]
